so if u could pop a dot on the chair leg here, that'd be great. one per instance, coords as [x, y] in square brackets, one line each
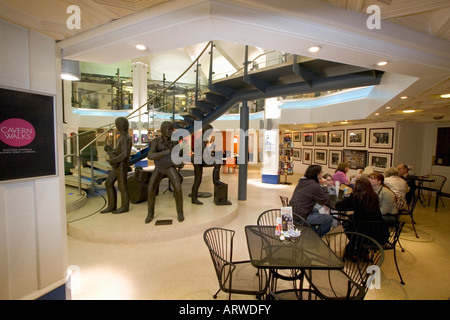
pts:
[398, 270]
[215, 296]
[437, 201]
[414, 228]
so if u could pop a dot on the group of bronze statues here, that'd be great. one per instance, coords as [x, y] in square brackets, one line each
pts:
[160, 152]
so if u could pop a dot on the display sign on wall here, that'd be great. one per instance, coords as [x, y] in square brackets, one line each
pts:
[27, 135]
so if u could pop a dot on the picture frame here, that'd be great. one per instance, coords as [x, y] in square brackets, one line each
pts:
[320, 156]
[308, 138]
[307, 156]
[336, 138]
[334, 158]
[380, 161]
[382, 138]
[321, 138]
[356, 159]
[297, 155]
[356, 137]
[297, 136]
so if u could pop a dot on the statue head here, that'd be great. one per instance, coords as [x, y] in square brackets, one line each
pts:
[122, 124]
[167, 129]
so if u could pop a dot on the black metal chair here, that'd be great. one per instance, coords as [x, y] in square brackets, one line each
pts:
[362, 256]
[408, 210]
[233, 276]
[387, 234]
[441, 195]
[269, 218]
[434, 186]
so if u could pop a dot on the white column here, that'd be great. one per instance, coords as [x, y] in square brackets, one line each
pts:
[139, 89]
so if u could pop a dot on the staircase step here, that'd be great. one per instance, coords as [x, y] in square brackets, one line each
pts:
[197, 112]
[186, 115]
[86, 172]
[73, 181]
[214, 98]
[101, 165]
[206, 106]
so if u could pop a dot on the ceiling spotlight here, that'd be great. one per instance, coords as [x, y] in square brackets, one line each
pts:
[344, 122]
[388, 107]
[377, 114]
[382, 63]
[141, 47]
[313, 49]
[404, 97]
[445, 96]
[409, 111]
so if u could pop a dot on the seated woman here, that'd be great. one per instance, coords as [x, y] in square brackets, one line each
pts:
[386, 197]
[397, 185]
[341, 174]
[307, 194]
[364, 202]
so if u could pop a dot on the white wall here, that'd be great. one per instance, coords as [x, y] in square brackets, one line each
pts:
[33, 240]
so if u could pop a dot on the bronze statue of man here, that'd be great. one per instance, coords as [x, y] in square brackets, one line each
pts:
[119, 159]
[160, 152]
[199, 163]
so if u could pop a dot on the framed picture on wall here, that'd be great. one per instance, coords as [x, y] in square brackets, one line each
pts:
[336, 138]
[334, 158]
[308, 138]
[307, 156]
[320, 156]
[356, 159]
[297, 154]
[380, 161]
[356, 137]
[381, 138]
[297, 137]
[321, 138]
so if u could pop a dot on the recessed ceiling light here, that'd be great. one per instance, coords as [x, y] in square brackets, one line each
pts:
[382, 63]
[344, 122]
[445, 96]
[141, 47]
[388, 107]
[404, 97]
[313, 49]
[377, 114]
[409, 111]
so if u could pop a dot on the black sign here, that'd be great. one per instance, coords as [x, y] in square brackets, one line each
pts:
[27, 135]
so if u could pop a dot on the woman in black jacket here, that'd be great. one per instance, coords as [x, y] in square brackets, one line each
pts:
[307, 194]
[367, 217]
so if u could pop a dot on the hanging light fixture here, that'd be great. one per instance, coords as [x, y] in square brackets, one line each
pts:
[70, 70]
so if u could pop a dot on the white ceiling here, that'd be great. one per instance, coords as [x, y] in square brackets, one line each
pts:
[414, 35]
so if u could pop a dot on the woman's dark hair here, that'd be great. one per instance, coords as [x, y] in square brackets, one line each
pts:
[364, 194]
[313, 171]
[342, 166]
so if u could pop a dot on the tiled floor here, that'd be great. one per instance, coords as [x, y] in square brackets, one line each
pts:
[181, 268]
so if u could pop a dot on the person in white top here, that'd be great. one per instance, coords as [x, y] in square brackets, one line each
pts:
[398, 185]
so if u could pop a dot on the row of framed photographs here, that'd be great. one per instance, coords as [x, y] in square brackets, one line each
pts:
[378, 138]
[357, 159]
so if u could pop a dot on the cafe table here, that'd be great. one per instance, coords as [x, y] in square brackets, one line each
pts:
[420, 180]
[305, 253]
